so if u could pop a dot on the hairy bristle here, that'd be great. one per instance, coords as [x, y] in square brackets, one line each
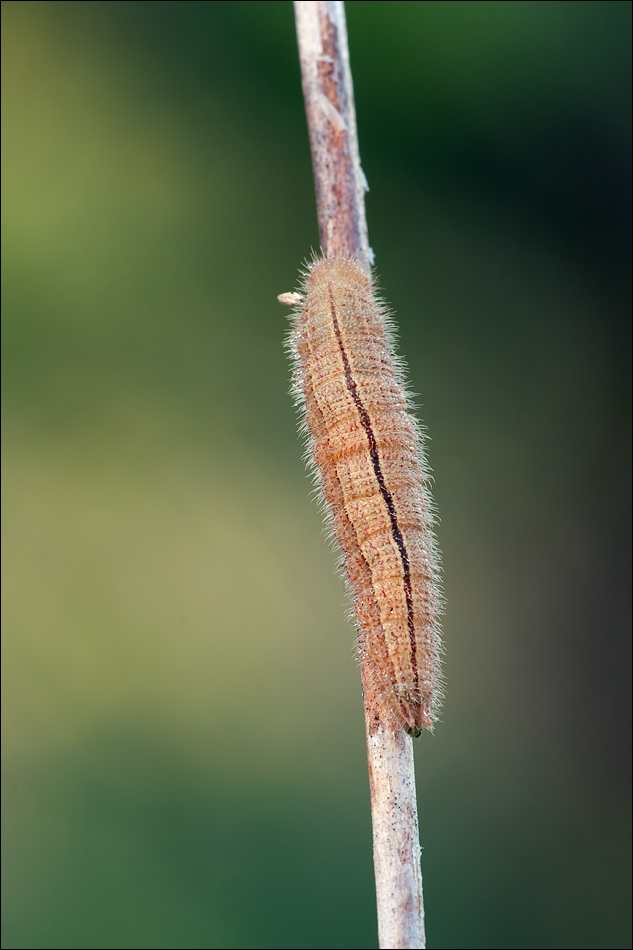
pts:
[365, 448]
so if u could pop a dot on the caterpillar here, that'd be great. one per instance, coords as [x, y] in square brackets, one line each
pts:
[365, 449]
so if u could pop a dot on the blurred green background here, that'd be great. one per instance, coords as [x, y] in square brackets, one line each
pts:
[184, 745]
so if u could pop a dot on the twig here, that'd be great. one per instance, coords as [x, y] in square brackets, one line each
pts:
[340, 187]
[329, 99]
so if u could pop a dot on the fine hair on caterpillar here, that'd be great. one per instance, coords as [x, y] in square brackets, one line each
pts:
[365, 448]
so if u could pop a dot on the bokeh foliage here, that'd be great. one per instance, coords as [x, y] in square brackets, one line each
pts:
[184, 753]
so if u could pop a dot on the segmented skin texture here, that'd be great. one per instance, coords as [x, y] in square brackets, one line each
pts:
[366, 448]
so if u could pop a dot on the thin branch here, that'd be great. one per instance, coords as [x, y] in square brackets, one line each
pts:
[329, 100]
[340, 187]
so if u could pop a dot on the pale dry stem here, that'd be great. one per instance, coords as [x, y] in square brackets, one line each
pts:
[340, 192]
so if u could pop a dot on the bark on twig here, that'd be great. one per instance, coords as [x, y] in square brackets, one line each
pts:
[340, 192]
[329, 100]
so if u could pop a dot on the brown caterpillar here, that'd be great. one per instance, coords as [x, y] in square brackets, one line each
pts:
[366, 450]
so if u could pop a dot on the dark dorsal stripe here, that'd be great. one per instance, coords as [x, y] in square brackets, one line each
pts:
[384, 491]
